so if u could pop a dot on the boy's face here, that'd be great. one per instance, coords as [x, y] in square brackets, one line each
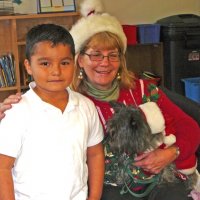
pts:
[52, 67]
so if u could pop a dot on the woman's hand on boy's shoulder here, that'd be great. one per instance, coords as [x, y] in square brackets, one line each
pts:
[7, 103]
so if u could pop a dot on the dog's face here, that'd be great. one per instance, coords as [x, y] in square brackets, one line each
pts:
[128, 130]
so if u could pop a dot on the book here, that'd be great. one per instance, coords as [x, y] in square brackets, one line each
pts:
[7, 71]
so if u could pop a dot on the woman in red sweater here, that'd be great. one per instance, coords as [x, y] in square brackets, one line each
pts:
[101, 75]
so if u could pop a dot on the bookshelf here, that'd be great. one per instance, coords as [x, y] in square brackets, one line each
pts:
[146, 57]
[13, 30]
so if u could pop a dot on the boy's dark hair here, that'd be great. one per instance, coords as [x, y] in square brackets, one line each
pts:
[48, 32]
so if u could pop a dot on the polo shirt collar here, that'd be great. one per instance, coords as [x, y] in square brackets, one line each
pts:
[72, 102]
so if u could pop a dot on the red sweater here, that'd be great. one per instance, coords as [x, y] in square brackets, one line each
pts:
[186, 130]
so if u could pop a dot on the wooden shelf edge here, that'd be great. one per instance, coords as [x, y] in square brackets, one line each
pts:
[21, 43]
[8, 88]
[43, 15]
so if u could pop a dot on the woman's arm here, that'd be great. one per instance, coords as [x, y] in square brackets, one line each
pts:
[6, 104]
[6, 181]
[95, 161]
[187, 133]
[187, 130]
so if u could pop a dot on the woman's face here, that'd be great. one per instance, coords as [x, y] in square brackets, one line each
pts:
[100, 73]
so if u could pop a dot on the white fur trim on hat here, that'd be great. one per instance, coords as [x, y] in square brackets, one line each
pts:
[91, 6]
[88, 26]
[153, 116]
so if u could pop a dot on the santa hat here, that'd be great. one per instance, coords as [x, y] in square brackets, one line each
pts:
[156, 121]
[93, 22]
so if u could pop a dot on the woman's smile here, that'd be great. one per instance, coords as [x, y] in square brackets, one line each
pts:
[102, 72]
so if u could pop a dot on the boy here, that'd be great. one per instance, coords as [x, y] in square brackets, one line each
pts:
[51, 140]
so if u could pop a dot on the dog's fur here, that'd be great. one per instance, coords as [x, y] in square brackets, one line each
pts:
[129, 134]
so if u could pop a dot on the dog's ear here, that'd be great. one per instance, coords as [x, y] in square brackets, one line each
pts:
[116, 106]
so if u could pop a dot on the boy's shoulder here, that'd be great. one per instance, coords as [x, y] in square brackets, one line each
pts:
[80, 97]
[19, 114]
[21, 109]
[83, 102]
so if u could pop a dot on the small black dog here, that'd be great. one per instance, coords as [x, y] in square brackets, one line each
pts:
[128, 135]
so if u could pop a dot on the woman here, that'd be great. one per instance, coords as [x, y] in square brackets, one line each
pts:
[101, 75]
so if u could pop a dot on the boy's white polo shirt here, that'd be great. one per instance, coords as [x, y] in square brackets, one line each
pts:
[50, 146]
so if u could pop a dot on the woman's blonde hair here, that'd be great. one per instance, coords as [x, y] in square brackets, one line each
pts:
[103, 40]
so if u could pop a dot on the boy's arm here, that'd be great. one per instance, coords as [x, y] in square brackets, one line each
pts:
[95, 161]
[6, 181]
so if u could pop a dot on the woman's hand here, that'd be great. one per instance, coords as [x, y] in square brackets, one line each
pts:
[156, 160]
[6, 104]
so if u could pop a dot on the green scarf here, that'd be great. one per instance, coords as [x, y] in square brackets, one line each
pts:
[103, 95]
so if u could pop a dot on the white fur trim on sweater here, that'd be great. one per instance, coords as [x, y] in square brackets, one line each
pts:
[189, 170]
[153, 116]
[88, 26]
[197, 186]
[168, 140]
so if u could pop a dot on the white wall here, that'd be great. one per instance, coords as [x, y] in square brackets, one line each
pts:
[27, 6]
[134, 11]
[148, 11]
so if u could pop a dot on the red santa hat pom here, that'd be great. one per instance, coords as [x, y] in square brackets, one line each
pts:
[89, 7]
[153, 116]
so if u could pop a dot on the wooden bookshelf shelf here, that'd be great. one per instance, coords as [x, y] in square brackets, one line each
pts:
[8, 89]
[21, 43]
[13, 30]
[146, 57]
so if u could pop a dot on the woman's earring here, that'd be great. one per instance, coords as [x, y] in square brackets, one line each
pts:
[80, 76]
[118, 76]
